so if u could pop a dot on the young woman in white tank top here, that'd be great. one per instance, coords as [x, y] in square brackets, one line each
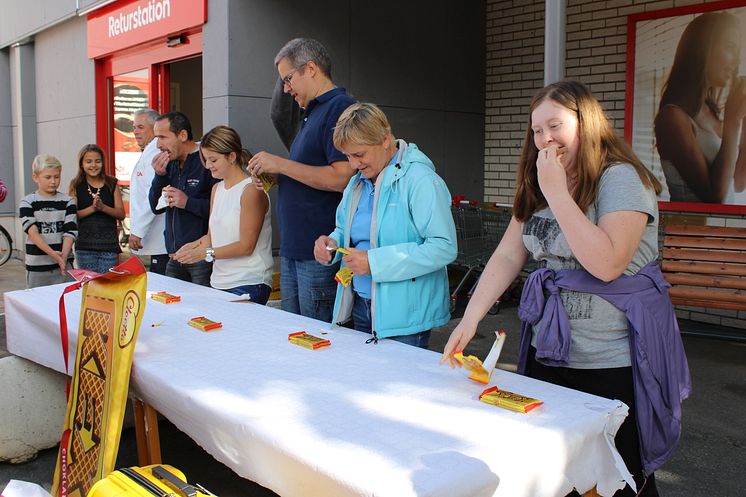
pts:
[239, 239]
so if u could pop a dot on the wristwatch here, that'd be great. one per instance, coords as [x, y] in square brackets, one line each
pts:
[210, 255]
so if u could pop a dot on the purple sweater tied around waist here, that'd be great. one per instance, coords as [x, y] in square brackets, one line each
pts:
[659, 366]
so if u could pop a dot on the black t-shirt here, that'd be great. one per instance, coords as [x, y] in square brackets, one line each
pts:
[97, 232]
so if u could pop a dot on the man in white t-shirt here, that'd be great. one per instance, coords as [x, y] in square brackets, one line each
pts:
[146, 228]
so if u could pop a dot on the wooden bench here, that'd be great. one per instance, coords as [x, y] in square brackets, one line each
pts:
[706, 266]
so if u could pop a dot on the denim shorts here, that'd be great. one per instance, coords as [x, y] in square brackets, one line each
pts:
[99, 262]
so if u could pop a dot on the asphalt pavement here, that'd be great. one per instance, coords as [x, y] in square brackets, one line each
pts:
[708, 462]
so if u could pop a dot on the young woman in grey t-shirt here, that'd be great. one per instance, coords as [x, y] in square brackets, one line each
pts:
[583, 201]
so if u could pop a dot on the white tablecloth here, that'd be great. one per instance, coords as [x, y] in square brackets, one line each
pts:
[353, 419]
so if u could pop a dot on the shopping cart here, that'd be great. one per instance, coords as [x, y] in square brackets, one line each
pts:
[478, 231]
[495, 221]
[470, 243]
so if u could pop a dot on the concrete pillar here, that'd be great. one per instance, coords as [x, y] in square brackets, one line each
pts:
[22, 75]
[554, 40]
[216, 104]
[6, 136]
[23, 114]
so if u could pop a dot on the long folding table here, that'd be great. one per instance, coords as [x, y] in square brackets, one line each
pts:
[352, 419]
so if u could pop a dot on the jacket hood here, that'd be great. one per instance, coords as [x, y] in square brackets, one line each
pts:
[409, 154]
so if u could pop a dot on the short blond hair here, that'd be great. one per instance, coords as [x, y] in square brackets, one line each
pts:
[45, 161]
[361, 124]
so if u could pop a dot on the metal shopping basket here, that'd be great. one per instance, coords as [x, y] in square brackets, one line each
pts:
[495, 220]
[470, 243]
[478, 231]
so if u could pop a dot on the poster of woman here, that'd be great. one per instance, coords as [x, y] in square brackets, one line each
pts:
[689, 103]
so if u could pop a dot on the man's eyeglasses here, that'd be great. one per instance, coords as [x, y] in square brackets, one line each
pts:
[288, 79]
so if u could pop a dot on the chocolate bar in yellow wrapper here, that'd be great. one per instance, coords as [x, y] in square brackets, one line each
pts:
[344, 276]
[268, 181]
[112, 307]
[509, 400]
[165, 297]
[204, 324]
[308, 341]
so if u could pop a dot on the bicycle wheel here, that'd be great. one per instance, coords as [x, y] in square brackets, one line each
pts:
[6, 246]
[124, 232]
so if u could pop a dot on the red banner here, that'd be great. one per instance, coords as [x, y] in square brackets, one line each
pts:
[132, 22]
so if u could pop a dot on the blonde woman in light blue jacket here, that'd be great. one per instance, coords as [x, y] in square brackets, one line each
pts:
[395, 221]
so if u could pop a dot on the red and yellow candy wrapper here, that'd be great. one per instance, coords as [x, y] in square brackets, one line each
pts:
[509, 400]
[473, 364]
[308, 341]
[344, 276]
[204, 324]
[341, 250]
[112, 308]
[268, 181]
[165, 298]
[482, 371]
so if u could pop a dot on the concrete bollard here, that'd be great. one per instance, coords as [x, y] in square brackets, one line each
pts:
[33, 408]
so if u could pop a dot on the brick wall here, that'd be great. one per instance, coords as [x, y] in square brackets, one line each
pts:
[515, 70]
[596, 47]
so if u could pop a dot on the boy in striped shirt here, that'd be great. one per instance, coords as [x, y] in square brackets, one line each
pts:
[49, 219]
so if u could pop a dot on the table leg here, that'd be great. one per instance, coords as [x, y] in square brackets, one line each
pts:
[591, 493]
[146, 434]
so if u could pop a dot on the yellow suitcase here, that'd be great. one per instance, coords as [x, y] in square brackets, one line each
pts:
[157, 480]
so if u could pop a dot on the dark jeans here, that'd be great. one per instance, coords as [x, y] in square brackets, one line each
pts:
[610, 383]
[158, 263]
[256, 293]
[308, 288]
[198, 273]
[361, 321]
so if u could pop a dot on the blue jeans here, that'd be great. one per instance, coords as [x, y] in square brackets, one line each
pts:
[361, 321]
[257, 293]
[99, 262]
[308, 288]
[198, 273]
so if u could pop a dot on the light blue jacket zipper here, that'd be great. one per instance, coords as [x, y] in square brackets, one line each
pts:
[412, 238]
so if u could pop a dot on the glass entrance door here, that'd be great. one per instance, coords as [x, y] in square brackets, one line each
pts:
[135, 78]
[130, 92]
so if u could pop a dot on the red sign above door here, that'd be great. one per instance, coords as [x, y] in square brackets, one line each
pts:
[129, 23]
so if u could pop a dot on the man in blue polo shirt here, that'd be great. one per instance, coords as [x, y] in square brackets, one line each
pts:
[310, 180]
